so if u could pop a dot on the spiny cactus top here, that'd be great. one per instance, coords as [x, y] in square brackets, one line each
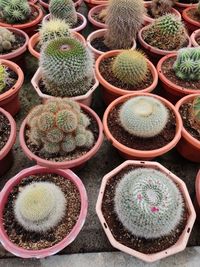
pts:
[143, 116]
[7, 38]
[59, 126]
[195, 112]
[161, 7]
[3, 77]
[148, 203]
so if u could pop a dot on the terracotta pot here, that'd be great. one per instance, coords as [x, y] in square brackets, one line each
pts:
[33, 1]
[9, 100]
[95, 10]
[97, 34]
[46, 6]
[29, 27]
[194, 36]
[79, 162]
[180, 245]
[188, 146]
[92, 3]
[6, 157]
[130, 153]
[111, 92]
[191, 24]
[172, 91]
[34, 40]
[197, 198]
[181, 6]
[26, 253]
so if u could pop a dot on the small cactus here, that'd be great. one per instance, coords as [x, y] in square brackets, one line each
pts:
[143, 116]
[39, 206]
[7, 38]
[161, 7]
[3, 77]
[187, 64]
[102, 15]
[130, 66]
[148, 203]
[195, 113]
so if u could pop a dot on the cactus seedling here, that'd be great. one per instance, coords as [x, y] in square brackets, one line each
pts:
[195, 113]
[3, 77]
[161, 7]
[7, 38]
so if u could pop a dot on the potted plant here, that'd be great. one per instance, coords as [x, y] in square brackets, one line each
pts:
[41, 212]
[177, 77]
[145, 210]
[92, 3]
[122, 72]
[142, 125]
[191, 16]
[45, 4]
[68, 140]
[180, 5]
[8, 135]
[197, 198]
[11, 80]
[22, 15]
[189, 109]
[195, 38]
[97, 16]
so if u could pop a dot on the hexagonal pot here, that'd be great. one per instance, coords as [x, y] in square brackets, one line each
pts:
[194, 36]
[180, 245]
[191, 24]
[26, 253]
[197, 198]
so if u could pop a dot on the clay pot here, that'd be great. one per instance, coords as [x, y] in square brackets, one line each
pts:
[92, 3]
[26, 253]
[191, 24]
[95, 23]
[130, 153]
[194, 36]
[197, 198]
[111, 92]
[46, 5]
[181, 6]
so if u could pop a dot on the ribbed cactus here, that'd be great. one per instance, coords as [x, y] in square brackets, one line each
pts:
[15, 11]
[124, 19]
[161, 7]
[59, 126]
[40, 206]
[7, 38]
[63, 9]
[195, 112]
[166, 33]
[187, 64]
[148, 203]
[143, 116]
[130, 66]
[3, 77]
[67, 67]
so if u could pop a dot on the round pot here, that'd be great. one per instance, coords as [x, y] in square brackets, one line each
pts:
[29, 27]
[109, 91]
[46, 5]
[10, 100]
[188, 146]
[6, 157]
[129, 153]
[96, 9]
[92, 3]
[194, 36]
[33, 1]
[26, 253]
[181, 6]
[172, 91]
[34, 40]
[197, 198]
[191, 24]
[79, 162]
[97, 34]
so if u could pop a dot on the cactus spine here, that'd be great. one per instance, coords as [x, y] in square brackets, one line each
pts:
[195, 113]
[7, 38]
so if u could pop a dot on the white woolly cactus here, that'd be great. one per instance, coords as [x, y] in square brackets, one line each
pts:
[143, 116]
[148, 203]
[40, 206]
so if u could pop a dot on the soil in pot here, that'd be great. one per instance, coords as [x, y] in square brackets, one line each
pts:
[143, 245]
[194, 14]
[10, 81]
[34, 240]
[19, 42]
[98, 43]
[5, 130]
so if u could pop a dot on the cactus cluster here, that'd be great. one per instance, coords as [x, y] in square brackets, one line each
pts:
[195, 113]
[161, 7]
[15, 11]
[7, 38]
[143, 116]
[148, 203]
[39, 206]
[187, 64]
[166, 33]
[67, 67]
[3, 77]
[130, 66]
[59, 126]
[124, 19]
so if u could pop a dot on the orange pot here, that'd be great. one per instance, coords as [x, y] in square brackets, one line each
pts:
[194, 37]
[92, 3]
[181, 6]
[191, 24]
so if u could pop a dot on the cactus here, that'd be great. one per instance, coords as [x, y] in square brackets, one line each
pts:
[130, 66]
[59, 126]
[102, 15]
[166, 33]
[148, 203]
[161, 7]
[15, 11]
[3, 77]
[143, 116]
[39, 206]
[64, 9]
[67, 67]
[195, 113]
[124, 19]
[187, 64]
[7, 38]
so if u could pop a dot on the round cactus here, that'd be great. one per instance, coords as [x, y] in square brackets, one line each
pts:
[148, 203]
[3, 77]
[195, 112]
[143, 116]
[131, 67]
[7, 38]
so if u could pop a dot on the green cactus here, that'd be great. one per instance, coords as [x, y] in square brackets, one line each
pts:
[195, 113]
[187, 64]
[124, 19]
[67, 67]
[130, 66]
[15, 11]
[143, 116]
[166, 33]
[59, 126]
[7, 38]
[148, 203]
[161, 7]
[64, 9]
[3, 77]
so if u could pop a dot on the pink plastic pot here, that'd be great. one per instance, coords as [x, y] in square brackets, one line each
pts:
[96, 10]
[181, 6]
[194, 37]
[46, 5]
[79, 162]
[197, 198]
[92, 3]
[25, 253]
[191, 24]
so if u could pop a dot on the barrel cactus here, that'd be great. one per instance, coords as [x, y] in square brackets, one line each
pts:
[148, 203]
[143, 116]
[3, 77]
[7, 38]
[161, 7]
[195, 113]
